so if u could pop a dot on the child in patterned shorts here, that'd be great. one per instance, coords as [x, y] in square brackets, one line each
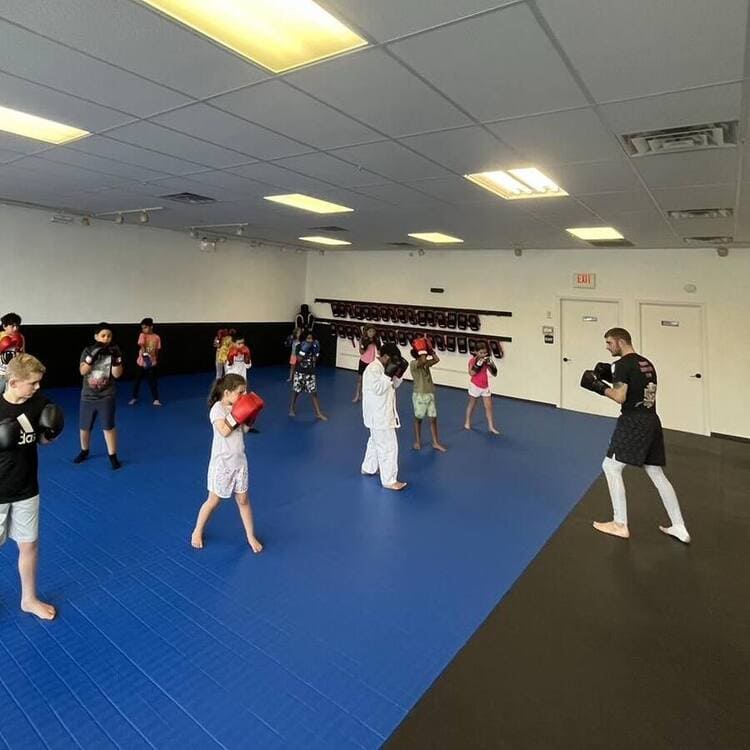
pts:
[423, 396]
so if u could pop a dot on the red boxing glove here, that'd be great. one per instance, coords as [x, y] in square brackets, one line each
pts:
[245, 410]
[12, 341]
[421, 345]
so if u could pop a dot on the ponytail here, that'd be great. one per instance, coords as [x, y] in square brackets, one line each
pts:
[230, 382]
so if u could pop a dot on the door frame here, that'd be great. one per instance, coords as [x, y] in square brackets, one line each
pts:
[641, 302]
[560, 299]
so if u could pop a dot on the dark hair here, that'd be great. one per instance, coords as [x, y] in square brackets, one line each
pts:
[619, 333]
[390, 350]
[414, 353]
[482, 345]
[11, 319]
[147, 322]
[102, 327]
[230, 382]
[307, 333]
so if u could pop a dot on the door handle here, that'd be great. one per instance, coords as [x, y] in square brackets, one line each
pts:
[565, 359]
[697, 375]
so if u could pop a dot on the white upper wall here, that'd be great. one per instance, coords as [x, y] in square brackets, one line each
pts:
[56, 273]
[531, 287]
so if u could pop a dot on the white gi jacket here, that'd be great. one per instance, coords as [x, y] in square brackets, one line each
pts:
[379, 398]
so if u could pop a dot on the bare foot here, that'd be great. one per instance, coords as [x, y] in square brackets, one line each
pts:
[439, 447]
[467, 426]
[196, 540]
[493, 431]
[369, 473]
[255, 544]
[397, 486]
[355, 400]
[321, 417]
[288, 380]
[39, 608]
[157, 402]
[678, 532]
[132, 401]
[292, 413]
[417, 447]
[613, 528]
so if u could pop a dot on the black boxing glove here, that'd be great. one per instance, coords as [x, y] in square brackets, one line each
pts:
[603, 371]
[51, 421]
[95, 351]
[590, 382]
[396, 367]
[116, 355]
[10, 434]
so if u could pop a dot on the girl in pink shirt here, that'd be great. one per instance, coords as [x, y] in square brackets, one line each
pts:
[480, 367]
[149, 347]
[368, 350]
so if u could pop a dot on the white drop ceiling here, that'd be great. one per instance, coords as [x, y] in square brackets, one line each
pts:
[445, 88]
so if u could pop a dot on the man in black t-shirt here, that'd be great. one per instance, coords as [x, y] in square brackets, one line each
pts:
[26, 417]
[638, 439]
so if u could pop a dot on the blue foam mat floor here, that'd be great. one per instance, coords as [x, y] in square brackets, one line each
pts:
[325, 640]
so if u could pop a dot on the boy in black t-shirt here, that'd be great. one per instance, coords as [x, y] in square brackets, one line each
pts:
[26, 417]
[305, 379]
[638, 439]
[100, 366]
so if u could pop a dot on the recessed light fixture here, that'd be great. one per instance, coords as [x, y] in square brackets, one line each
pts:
[277, 34]
[38, 128]
[324, 240]
[308, 203]
[514, 184]
[437, 238]
[595, 233]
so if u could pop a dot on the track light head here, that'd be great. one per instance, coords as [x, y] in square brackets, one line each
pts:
[85, 221]
[722, 251]
[144, 218]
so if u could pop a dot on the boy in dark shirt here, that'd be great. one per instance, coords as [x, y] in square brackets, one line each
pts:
[305, 380]
[26, 417]
[638, 439]
[100, 366]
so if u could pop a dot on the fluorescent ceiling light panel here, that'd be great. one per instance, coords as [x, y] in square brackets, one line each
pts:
[324, 240]
[308, 203]
[277, 34]
[436, 237]
[515, 184]
[595, 233]
[31, 126]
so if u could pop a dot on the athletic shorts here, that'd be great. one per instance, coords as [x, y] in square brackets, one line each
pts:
[638, 439]
[20, 520]
[226, 481]
[476, 391]
[104, 408]
[305, 382]
[362, 367]
[424, 405]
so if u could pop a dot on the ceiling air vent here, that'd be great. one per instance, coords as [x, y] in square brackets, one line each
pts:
[701, 213]
[709, 240]
[687, 138]
[192, 199]
[330, 228]
[402, 244]
[609, 243]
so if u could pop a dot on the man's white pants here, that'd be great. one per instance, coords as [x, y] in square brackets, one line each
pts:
[382, 455]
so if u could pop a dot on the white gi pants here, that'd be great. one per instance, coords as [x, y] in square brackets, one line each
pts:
[382, 455]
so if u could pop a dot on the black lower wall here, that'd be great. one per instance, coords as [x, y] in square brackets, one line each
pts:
[186, 347]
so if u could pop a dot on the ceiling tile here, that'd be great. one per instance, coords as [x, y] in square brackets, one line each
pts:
[276, 105]
[36, 59]
[176, 144]
[644, 47]
[392, 161]
[710, 104]
[454, 190]
[688, 168]
[67, 178]
[464, 150]
[139, 40]
[109, 148]
[560, 138]
[616, 202]
[209, 124]
[397, 195]
[330, 169]
[100, 164]
[646, 229]
[277, 178]
[374, 88]
[595, 177]
[705, 196]
[388, 19]
[499, 65]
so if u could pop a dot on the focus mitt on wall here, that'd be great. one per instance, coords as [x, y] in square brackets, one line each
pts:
[461, 321]
[472, 346]
[421, 317]
[450, 343]
[440, 342]
[451, 320]
[473, 320]
[440, 319]
[496, 349]
[401, 315]
[462, 344]
[430, 318]
[402, 340]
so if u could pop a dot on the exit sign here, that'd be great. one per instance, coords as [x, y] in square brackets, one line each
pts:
[584, 280]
